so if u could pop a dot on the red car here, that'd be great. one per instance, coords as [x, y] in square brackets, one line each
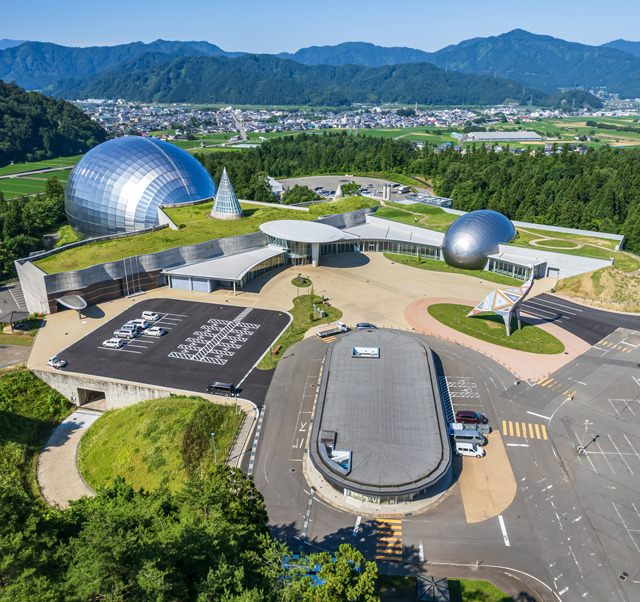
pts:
[471, 417]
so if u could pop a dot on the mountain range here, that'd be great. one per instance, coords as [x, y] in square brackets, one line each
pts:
[540, 62]
[267, 79]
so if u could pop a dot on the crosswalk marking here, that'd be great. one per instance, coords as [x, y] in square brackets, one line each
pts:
[389, 540]
[519, 429]
[544, 380]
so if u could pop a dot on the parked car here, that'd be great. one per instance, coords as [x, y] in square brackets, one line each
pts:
[469, 449]
[220, 388]
[114, 343]
[471, 417]
[125, 333]
[150, 316]
[133, 326]
[155, 331]
[140, 322]
[56, 362]
[365, 326]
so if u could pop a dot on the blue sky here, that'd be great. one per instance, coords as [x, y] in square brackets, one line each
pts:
[287, 25]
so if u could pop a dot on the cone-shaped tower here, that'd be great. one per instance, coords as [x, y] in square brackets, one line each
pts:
[338, 194]
[226, 205]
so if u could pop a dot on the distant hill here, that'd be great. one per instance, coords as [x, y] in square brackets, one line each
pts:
[356, 53]
[266, 79]
[625, 46]
[37, 127]
[544, 62]
[5, 43]
[35, 65]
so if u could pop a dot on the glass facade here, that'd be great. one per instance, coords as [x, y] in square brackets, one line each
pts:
[117, 186]
[265, 266]
[520, 272]
[226, 199]
[383, 499]
[380, 246]
[297, 253]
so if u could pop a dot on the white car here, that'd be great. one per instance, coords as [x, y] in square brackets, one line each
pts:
[140, 323]
[150, 316]
[56, 362]
[462, 448]
[155, 331]
[114, 343]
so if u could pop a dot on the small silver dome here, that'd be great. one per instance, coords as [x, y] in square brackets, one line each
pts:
[474, 236]
[117, 186]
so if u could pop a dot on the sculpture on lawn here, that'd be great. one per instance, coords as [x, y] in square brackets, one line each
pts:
[505, 302]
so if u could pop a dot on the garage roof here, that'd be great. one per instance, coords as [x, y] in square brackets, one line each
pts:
[226, 267]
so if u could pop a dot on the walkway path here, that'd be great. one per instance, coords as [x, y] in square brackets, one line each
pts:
[59, 479]
[526, 366]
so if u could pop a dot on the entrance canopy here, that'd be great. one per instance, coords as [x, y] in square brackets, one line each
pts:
[73, 302]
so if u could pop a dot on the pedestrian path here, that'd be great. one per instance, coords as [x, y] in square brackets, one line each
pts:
[612, 346]
[389, 540]
[524, 429]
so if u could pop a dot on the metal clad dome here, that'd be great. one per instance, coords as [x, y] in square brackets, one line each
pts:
[117, 186]
[474, 236]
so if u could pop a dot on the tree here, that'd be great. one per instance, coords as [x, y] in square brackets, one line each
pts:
[299, 194]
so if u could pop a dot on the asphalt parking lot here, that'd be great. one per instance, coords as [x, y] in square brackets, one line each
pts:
[204, 342]
[332, 183]
[589, 324]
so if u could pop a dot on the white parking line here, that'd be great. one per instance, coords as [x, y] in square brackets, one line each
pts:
[551, 313]
[631, 446]
[605, 457]
[625, 526]
[125, 350]
[623, 458]
[545, 305]
[531, 313]
[139, 346]
[560, 305]
[504, 531]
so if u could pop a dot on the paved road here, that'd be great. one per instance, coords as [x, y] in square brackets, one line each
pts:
[552, 544]
[588, 323]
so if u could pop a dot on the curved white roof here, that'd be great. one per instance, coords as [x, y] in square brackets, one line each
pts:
[301, 231]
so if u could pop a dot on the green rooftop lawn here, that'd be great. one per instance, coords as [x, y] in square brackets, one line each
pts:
[528, 234]
[198, 228]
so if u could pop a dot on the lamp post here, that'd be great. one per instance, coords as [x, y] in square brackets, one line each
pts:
[581, 449]
[215, 455]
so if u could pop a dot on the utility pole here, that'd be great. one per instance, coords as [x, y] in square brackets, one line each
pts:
[215, 455]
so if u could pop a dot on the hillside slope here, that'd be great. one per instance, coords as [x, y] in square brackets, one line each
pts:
[37, 127]
[625, 46]
[266, 79]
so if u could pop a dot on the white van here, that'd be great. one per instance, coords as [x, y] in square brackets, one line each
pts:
[469, 436]
[150, 316]
[469, 449]
[139, 322]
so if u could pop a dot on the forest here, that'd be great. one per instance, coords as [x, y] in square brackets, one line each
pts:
[598, 191]
[34, 127]
[24, 220]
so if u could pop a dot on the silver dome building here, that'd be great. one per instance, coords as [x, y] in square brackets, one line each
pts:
[117, 186]
[474, 236]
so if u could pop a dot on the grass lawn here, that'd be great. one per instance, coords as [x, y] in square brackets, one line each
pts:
[433, 218]
[559, 244]
[607, 285]
[302, 321]
[434, 265]
[13, 187]
[24, 340]
[490, 328]
[466, 590]
[29, 411]
[528, 235]
[20, 167]
[198, 228]
[302, 282]
[157, 443]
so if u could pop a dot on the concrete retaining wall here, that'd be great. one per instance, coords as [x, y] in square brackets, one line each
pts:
[118, 395]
